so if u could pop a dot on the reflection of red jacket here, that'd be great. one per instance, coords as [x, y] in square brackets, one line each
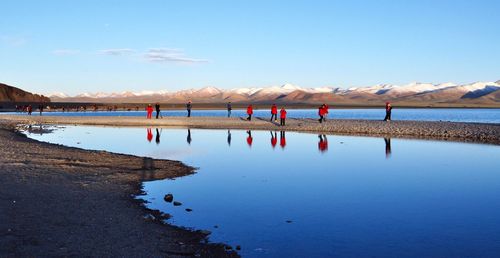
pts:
[150, 134]
[274, 140]
[282, 142]
[283, 114]
[249, 140]
[274, 110]
[250, 110]
[323, 145]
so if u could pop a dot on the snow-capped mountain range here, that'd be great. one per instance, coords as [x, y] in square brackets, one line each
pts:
[292, 93]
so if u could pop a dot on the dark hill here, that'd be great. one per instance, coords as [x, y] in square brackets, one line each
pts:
[12, 94]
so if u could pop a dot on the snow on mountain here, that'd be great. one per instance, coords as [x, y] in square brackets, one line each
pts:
[416, 87]
[477, 86]
[58, 95]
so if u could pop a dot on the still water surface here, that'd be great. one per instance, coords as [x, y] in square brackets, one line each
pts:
[424, 114]
[303, 195]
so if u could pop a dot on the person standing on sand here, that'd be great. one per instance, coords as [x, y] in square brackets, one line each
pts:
[149, 111]
[30, 109]
[40, 107]
[188, 107]
[249, 112]
[274, 113]
[321, 113]
[229, 108]
[282, 116]
[157, 107]
[388, 109]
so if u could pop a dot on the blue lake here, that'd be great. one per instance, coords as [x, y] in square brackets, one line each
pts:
[424, 114]
[305, 195]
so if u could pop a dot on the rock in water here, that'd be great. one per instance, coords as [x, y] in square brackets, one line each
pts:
[168, 198]
[177, 203]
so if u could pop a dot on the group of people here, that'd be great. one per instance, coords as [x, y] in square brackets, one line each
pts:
[323, 111]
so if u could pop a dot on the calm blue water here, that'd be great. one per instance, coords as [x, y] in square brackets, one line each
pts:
[424, 114]
[320, 196]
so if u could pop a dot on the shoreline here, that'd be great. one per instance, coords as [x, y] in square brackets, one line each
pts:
[65, 201]
[449, 131]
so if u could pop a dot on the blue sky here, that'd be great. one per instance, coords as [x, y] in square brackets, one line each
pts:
[80, 46]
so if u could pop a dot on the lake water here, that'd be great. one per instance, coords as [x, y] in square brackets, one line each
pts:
[424, 114]
[305, 195]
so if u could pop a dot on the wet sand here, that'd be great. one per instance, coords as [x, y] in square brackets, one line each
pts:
[453, 131]
[57, 201]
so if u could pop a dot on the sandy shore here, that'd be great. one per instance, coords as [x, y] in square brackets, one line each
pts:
[57, 201]
[468, 132]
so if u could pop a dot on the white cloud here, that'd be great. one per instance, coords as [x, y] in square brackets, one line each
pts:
[117, 51]
[174, 55]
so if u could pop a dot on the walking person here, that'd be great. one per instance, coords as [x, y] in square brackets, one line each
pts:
[325, 111]
[321, 113]
[388, 109]
[188, 107]
[274, 113]
[40, 107]
[229, 108]
[157, 107]
[149, 111]
[249, 112]
[30, 109]
[282, 116]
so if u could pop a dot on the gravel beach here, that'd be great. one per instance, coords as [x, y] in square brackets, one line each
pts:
[57, 201]
[453, 131]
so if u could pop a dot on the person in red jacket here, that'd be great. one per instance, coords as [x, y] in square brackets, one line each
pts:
[282, 116]
[321, 113]
[249, 112]
[274, 113]
[388, 109]
[274, 139]
[149, 111]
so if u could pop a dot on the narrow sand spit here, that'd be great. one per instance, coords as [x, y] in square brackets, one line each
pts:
[469, 132]
[57, 201]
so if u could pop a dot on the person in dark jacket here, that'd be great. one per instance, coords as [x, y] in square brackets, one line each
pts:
[388, 110]
[229, 108]
[188, 107]
[157, 107]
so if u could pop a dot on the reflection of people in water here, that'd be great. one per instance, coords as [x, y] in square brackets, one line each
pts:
[282, 139]
[274, 139]
[150, 134]
[188, 139]
[249, 138]
[157, 140]
[229, 136]
[323, 143]
[387, 147]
